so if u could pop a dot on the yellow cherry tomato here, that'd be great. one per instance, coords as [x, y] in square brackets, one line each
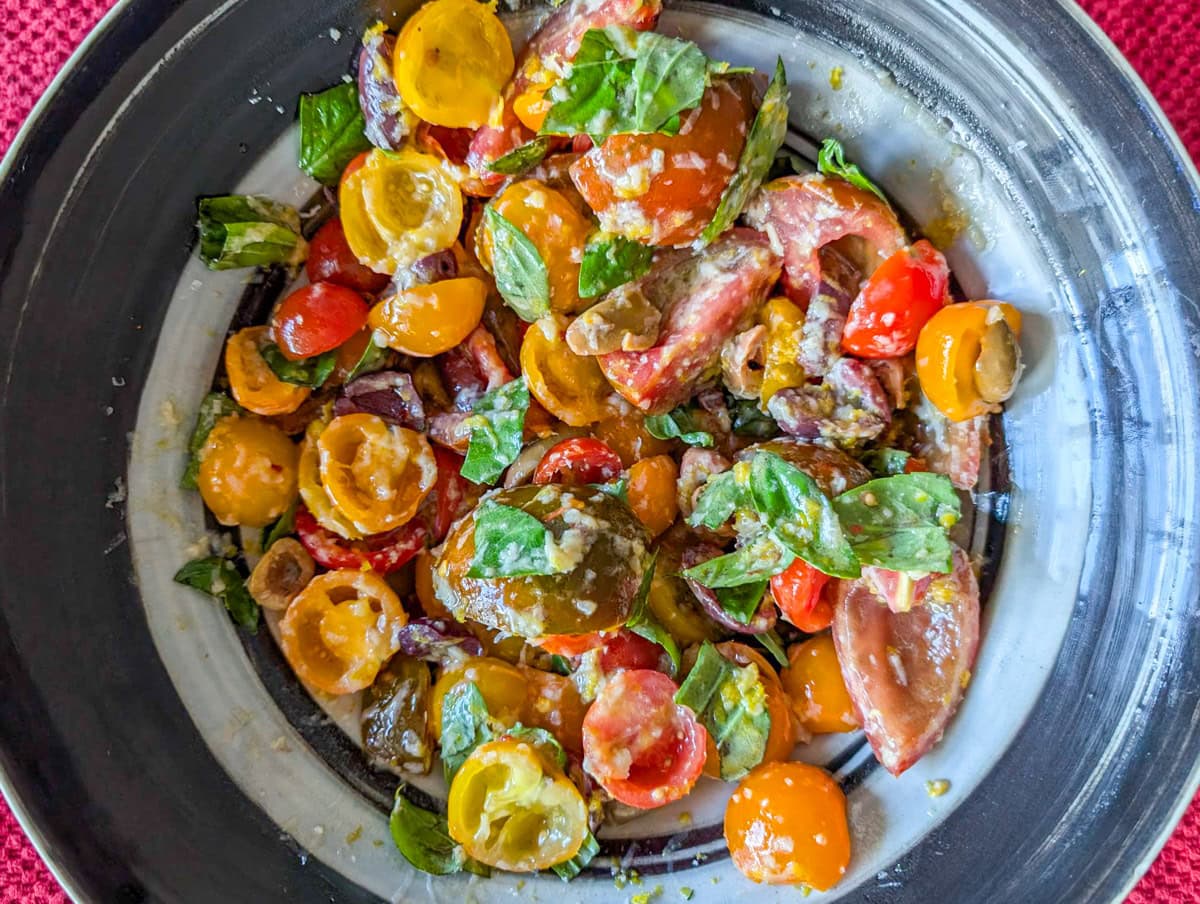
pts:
[312, 490]
[652, 492]
[674, 604]
[786, 825]
[557, 230]
[375, 473]
[570, 386]
[814, 682]
[253, 384]
[784, 322]
[399, 207]
[453, 58]
[340, 630]
[511, 808]
[247, 472]
[949, 351]
[427, 320]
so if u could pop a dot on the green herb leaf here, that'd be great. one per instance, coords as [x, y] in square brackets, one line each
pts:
[286, 524]
[761, 558]
[521, 275]
[750, 420]
[731, 702]
[832, 162]
[610, 261]
[541, 739]
[331, 132]
[220, 578]
[744, 600]
[643, 623]
[497, 427]
[723, 495]
[560, 665]
[886, 462]
[248, 231]
[523, 159]
[678, 424]
[569, 869]
[669, 76]
[618, 489]
[213, 407]
[311, 372]
[373, 358]
[465, 725]
[900, 522]
[424, 838]
[508, 543]
[765, 138]
[769, 641]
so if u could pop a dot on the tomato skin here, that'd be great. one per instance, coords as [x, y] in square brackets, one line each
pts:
[625, 650]
[570, 645]
[331, 260]
[579, 460]
[449, 493]
[383, 553]
[639, 744]
[798, 591]
[248, 471]
[652, 492]
[316, 319]
[949, 348]
[814, 682]
[902, 294]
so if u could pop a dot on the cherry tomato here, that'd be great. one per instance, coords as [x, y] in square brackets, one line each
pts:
[786, 824]
[624, 650]
[248, 472]
[956, 349]
[510, 808]
[532, 105]
[384, 553]
[798, 593]
[452, 494]
[652, 483]
[639, 744]
[626, 434]
[453, 144]
[570, 645]
[814, 682]
[331, 260]
[902, 294]
[312, 488]
[340, 630]
[252, 382]
[578, 460]
[316, 319]
[570, 386]
[427, 320]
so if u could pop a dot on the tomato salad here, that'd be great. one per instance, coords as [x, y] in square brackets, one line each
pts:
[602, 452]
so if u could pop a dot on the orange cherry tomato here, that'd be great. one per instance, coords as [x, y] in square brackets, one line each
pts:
[949, 349]
[555, 227]
[330, 258]
[316, 319]
[570, 645]
[786, 824]
[899, 298]
[626, 434]
[798, 593]
[248, 472]
[578, 460]
[427, 320]
[532, 105]
[252, 382]
[652, 495]
[341, 629]
[570, 386]
[312, 488]
[814, 682]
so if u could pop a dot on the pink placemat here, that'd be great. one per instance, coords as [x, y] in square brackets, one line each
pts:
[1160, 37]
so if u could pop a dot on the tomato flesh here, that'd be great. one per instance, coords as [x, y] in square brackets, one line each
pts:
[383, 553]
[798, 593]
[902, 294]
[316, 319]
[331, 260]
[625, 650]
[577, 461]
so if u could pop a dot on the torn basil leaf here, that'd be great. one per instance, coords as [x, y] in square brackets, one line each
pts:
[374, 358]
[310, 372]
[424, 839]
[523, 159]
[248, 231]
[618, 489]
[220, 578]
[213, 407]
[832, 162]
[744, 600]
[521, 275]
[765, 139]
[497, 427]
[761, 558]
[465, 725]
[332, 132]
[541, 739]
[900, 523]
[749, 420]
[770, 641]
[610, 261]
[643, 623]
[509, 543]
[723, 495]
[731, 702]
[569, 869]
[678, 424]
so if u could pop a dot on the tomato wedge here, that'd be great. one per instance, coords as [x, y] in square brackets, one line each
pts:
[383, 553]
[902, 294]
[451, 495]
[624, 650]
[798, 593]
[317, 319]
[331, 260]
[639, 744]
[579, 460]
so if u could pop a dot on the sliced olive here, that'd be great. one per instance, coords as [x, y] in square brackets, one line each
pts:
[396, 729]
[283, 571]
[998, 366]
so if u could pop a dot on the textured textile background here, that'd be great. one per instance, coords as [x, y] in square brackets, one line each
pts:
[1160, 37]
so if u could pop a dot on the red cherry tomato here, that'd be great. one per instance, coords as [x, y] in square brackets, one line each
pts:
[625, 650]
[798, 593]
[317, 319]
[639, 744]
[451, 496]
[331, 260]
[902, 294]
[383, 553]
[570, 645]
[582, 459]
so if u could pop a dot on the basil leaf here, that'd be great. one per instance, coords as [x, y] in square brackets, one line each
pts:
[832, 162]
[373, 358]
[744, 600]
[248, 231]
[560, 665]
[311, 372]
[541, 739]
[213, 407]
[731, 702]
[618, 489]
[643, 622]
[611, 261]
[524, 158]
[220, 578]
[669, 76]
[762, 558]
[497, 426]
[569, 869]
[769, 641]
[424, 838]
[331, 132]
[749, 420]
[678, 424]
[886, 462]
[465, 725]
[765, 138]
[723, 495]
[509, 543]
[900, 523]
[521, 275]
[286, 524]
